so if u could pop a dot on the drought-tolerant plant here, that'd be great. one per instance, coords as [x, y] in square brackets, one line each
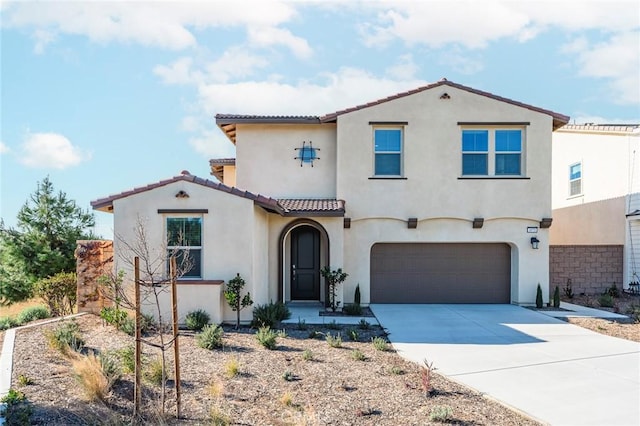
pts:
[353, 309]
[358, 355]
[113, 316]
[270, 314]
[154, 372]
[95, 375]
[302, 324]
[334, 341]
[267, 337]
[426, 372]
[568, 289]
[24, 380]
[356, 295]
[216, 388]
[396, 370]
[314, 334]
[333, 279]
[286, 399]
[17, 410]
[7, 323]
[58, 292]
[379, 343]
[441, 414]
[196, 320]
[32, 313]
[233, 295]
[210, 337]
[282, 333]
[353, 334]
[307, 355]
[634, 312]
[606, 301]
[127, 357]
[288, 376]
[217, 417]
[333, 325]
[363, 324]
[232, 367]
[613, 291]
[66, 337]
[556, 297]
[539, 297]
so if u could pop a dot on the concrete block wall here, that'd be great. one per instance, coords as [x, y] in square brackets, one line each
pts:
[592, 269]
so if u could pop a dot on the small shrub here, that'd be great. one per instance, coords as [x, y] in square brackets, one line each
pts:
[66, 337]
[154, 372]
[95, 375]
[210, 337]
[110, 365]
[634, 312]
[127, 357]
[282, 333]
[216, 388]
[314, 334]
[380, 344]
[270, 314]
[286, 399]
[32, 313]
[364, 325]
[358, 355]
[613, 291]
[539, 297]
[218, 418]
[128, 325]
[267, 337]
[232, 367]
[7, 323]
[568, 289]
[17, 409]
[333, 278]
[24, 380]
[441, 414]
[233, 293]
[288, 376]
[353, 309]
[333, 325]
[147, 323]
[334, 341]
[196, 320]
[556, 297]
[396, 370]
[113, 316]
[307, 355]
[353, 334]
[302, 324]
[58, 292]
[426, 372]
[606, 301]
[356, 295]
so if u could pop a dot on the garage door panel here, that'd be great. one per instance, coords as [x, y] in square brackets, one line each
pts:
[440, 273]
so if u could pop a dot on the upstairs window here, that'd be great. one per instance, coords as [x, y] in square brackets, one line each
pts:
[508, 152]
[575, 179]
[475, 152]
[184, 240]
[492, 152]
[387, 151]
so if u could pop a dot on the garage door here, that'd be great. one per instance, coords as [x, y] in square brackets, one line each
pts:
[440, 273]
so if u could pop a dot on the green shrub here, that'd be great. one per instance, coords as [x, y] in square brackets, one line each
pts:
[302, 324]
[334, 341]
[127, 357]
[267, 337]
[441, 414]
[356, 295]
[556, 297]
[606, 301]
[307, 355]
[154, 372]
[196, 320]
[539, 301]
[380, 344]
[58, 292]
[288, 376]
[210, 337]
[613, 291]
[66, 336]
[17, 409]
[364, 325]
[314, 334]
[398, 371]
[7, 322]
[353, 334]
[270, 314]
[634, 312]
[233, 293]
[353, 309]
[128, 325]
[32, 313]
[113, 316]
[358, 355]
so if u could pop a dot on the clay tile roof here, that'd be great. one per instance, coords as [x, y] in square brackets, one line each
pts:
[222, 161]
[312, 207]
[269, 204]
[602, 128]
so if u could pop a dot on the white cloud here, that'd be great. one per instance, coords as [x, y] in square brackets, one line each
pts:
[235, 62]
[179, 72]
[405, 69]
[271, 36]
[42, 39]
[4, 148]
[464, 63]
[212, 144]
[50, 150]
[161, 24]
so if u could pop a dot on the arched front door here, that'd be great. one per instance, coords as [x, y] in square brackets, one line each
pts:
[305, 263]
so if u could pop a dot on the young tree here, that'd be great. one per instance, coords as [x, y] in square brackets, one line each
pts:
[333, 278]
[43, 242]
[232, 294]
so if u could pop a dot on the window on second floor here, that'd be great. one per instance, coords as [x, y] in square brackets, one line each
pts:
[575, 179]
[492, 152]
[184, 241]
[387, 151]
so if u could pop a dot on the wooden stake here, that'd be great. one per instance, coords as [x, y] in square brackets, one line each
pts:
[176, 348]
[137, 390]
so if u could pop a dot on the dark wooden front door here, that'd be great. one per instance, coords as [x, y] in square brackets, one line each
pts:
[305, 263]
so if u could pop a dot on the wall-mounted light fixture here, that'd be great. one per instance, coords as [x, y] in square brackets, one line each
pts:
[534, 243]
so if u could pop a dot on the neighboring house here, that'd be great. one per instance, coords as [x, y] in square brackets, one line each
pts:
[596, 207]
[436, 195]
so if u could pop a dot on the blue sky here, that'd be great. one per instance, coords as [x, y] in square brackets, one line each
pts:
[105, 96]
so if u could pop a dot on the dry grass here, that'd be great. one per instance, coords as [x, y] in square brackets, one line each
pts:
[88, 371]
[16, 308]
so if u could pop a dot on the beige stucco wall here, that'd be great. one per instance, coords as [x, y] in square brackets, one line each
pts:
[432, 192]
[229, 173]
[609, 168]
[233, 242]
[266, 165]
[596, 223]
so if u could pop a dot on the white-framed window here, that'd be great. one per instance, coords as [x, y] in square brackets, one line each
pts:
[387, 147]
[492, 152]
[575, 179]
[184, 238]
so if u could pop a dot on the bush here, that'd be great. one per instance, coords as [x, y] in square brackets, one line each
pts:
[380, 344]
[7, 322]
[270, 314]
[307, 355]
[267, 337]
[66, 336]
[32, 313]
[95, 375]
[17, 409]
[364, 325]
[210, 337]
[556, 297]
[127, 357]
[113, 316]
[353, 309]
[357, 355]
[539, 297]
[441, 413]
[128, 325]
[196, 320]
[58, 292]
[154, 372]
[606, 301]
[613, 291]
[232, 367]
[334, 341]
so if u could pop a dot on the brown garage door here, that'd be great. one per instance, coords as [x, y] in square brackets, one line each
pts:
[440, 273]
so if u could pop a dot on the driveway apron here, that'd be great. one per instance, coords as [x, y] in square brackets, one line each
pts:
[556, 372]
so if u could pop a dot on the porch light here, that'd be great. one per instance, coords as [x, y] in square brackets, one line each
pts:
[534, 243]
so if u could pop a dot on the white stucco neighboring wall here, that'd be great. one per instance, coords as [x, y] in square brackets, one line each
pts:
[266, 164]
[233, 237]
[434, 192]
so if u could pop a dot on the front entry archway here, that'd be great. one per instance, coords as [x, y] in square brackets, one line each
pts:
[305, 263]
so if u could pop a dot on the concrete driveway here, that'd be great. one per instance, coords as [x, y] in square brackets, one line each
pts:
[556, 372]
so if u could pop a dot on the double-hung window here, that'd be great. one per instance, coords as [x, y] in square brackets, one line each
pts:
[184, 241]
[575, 179]
[387, 143]
[492, 152]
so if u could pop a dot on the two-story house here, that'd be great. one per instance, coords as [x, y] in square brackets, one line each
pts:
[596, 207]
[437, 195]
